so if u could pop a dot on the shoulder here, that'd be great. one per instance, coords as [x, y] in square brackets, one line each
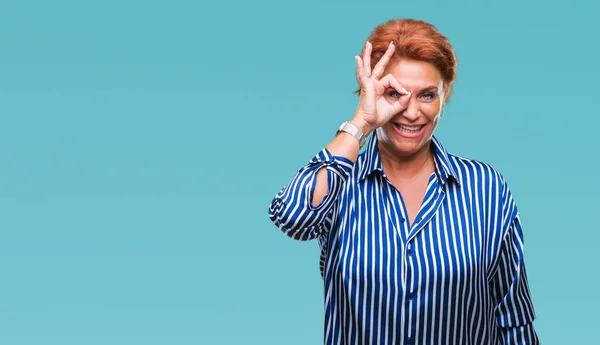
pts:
[467, 171]
[468, 168]
[485, 187]
[479, 176]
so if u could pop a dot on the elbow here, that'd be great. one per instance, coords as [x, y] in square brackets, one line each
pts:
[295, 224]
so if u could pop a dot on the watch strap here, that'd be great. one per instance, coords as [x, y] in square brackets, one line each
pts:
[353, 131]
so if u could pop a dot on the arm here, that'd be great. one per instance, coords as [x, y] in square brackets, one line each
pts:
[514, 310]
[303, 209]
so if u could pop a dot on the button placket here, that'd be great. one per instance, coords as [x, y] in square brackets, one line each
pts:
[411, 293]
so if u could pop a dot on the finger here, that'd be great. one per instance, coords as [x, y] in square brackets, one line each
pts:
[385, 59]
[359, 66]
[359, 71]
[389, 81]
[367, 59]
[396, 107]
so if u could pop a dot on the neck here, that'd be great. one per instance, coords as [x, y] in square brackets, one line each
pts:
[407, 167]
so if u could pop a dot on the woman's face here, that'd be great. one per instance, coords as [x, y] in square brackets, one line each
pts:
[409, 132]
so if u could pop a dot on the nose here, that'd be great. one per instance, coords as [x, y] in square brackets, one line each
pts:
[412, 109]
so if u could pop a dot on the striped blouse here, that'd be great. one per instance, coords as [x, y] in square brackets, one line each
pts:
[455, 276]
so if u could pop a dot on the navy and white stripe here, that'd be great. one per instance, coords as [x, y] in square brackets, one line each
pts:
[456, 276]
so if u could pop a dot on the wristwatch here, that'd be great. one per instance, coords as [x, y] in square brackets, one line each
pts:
[353, 131]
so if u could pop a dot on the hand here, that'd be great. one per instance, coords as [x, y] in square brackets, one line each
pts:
[374, 109]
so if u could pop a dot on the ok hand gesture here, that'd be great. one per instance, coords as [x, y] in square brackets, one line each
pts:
[374, 108]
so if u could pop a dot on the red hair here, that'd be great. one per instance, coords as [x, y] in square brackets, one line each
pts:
[415, 40]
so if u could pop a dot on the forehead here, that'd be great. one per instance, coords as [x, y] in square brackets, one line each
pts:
[415, 75]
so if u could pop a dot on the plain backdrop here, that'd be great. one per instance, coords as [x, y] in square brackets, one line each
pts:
[141, 143]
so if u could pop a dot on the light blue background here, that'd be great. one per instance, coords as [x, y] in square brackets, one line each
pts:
[142, 141]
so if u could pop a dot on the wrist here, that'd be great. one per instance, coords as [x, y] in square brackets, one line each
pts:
[353, 131]
[362, 126]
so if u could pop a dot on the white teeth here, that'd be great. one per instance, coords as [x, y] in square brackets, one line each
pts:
[409, 128]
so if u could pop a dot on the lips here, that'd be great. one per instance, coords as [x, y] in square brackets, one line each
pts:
[409, 131]
[412, 129]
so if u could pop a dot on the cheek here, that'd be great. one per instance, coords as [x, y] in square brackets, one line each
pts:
[431, 110]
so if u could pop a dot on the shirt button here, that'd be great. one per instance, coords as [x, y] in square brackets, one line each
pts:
[411, 295]
[409, 251]
[402, 220]
[409, 340]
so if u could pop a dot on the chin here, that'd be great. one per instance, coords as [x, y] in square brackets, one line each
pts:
[407, 149]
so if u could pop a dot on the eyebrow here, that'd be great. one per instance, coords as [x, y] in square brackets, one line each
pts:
[429, 88]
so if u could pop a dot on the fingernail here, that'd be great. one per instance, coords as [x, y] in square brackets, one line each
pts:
[391, 43]
[404, 90]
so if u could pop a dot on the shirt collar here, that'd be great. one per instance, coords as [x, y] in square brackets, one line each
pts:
[372, 162]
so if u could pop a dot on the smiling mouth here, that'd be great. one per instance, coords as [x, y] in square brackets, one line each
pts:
[409, 129]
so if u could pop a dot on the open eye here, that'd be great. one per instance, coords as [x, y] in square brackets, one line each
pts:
[394, 94]
[428, 96]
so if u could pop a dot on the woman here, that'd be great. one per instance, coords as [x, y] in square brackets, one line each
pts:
[418, 246]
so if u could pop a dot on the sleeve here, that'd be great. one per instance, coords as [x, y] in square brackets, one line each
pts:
[514, 310]
[292, 211]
